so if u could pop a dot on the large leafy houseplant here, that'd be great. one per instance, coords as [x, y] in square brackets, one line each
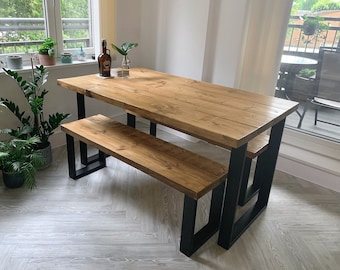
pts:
[34, 122]
[18, 157]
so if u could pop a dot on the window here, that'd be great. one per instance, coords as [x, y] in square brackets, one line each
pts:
[24, 24]
[76, 26]
[304, 73]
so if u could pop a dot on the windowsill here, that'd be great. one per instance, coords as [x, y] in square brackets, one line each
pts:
[27, 68]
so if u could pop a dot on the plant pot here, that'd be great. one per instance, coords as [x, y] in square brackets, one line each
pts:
[14, 61]
[46, 152]
[309, 29]
[303, 88]
[66, 58]
[12, 180]
[46, 60]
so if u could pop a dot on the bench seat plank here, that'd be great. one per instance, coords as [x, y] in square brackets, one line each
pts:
[181, 169]
[255, 147]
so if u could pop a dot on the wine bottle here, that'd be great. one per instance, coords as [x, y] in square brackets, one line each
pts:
[104, 61]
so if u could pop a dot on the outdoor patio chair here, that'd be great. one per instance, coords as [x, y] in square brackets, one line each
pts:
[327, 84]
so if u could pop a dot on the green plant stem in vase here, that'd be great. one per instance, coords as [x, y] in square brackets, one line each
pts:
[125, 65]
[124, 50]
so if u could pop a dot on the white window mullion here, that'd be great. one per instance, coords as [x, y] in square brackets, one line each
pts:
[53, 22]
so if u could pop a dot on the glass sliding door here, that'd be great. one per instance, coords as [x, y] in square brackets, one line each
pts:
[306, 70]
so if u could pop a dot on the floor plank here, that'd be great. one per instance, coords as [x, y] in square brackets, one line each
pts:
[120, 218]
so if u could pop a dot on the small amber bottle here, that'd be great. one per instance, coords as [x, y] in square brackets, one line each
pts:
[104, 61]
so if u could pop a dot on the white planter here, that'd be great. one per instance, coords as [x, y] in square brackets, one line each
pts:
[14, 61]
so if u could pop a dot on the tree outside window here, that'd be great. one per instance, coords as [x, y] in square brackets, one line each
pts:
[23, 24]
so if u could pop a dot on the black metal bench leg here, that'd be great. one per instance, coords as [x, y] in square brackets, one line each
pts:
[71, 159]
[244, 191]
[153, 129]
[247, 193]
[131, 120]
[190, 241]
[89, 168]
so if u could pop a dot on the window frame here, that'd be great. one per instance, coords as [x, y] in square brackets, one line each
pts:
[54, 28]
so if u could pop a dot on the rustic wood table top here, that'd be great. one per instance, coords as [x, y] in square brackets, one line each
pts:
[221, 115]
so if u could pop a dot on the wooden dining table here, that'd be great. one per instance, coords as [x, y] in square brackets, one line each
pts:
[219, 115]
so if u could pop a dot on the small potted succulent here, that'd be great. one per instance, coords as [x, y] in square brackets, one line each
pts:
[46, 52]
[19, 162]
[124, 50]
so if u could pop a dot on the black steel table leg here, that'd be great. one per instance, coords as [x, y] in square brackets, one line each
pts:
[131, 121]
[81, 115]
[235, 174]
[230, 230]
[84, 158]
[191, 241]
[267, 163]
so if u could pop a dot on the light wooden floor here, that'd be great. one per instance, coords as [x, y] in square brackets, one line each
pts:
[120, 218]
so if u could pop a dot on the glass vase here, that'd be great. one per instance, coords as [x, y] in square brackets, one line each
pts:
[125, 66]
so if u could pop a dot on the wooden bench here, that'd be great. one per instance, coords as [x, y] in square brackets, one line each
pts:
[255, 148]
[181, 169]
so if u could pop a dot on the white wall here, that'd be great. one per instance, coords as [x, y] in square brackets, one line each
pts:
[199, 39]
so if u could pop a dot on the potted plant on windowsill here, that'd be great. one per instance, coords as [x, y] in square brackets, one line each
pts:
[46, 52]
[124, 50]
[19, 162]
[34, 122]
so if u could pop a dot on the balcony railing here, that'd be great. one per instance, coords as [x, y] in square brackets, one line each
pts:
[21, 27]
[298, 43]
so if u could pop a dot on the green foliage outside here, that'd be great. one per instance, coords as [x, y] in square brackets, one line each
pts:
[325, 5]
[34, 9]
[315, 5]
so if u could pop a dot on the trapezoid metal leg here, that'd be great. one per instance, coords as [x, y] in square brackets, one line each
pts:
[191, 241]
[88, 168]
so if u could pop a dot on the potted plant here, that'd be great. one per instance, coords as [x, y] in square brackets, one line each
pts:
[124, 50]
[304, 85]
[313, 26]
[46, 52]
[19, 162]
[307, 73]
[34, 122]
